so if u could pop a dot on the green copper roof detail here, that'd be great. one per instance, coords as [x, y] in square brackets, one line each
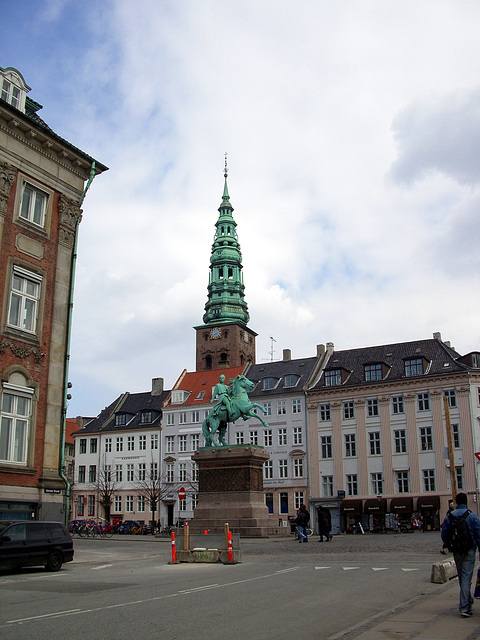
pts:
[226, 301]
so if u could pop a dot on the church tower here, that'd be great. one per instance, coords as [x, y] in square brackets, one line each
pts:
[224, 340]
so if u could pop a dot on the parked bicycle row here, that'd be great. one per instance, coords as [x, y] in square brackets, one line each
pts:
[90, 528]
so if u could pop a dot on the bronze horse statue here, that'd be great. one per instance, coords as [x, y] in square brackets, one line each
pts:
[240, 407]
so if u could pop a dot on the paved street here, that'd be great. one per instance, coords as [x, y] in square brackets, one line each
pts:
[124, 587]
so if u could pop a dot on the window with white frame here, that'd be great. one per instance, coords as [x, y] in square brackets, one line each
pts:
[170, 471]
[254, 437]
[350, 445]
[83, 445]
[267, 438]
[146, 417]
[12, 94]
[92, 473]
[81, 474]
[426, 438]
[129, 504]
[398, 405]
[459, 475]
[414, 367]
[140, 503]
[429, 479]
[91, 505]
[25, 294]
[118, 473]
[33, 207]
[297, 436]
[373, 372]
[130, 472]
[374, 441]
[298, 467]
[194, 472]
[372, 407]
[268, 407]
[80, 506]
[333, 377]
[376, 480]
[108, 445]
[194, 500]
[182, 472]
[195, 416]
[327, 486]
[239, 437]
[119, 444]
[142, 471]
[348, 410]
[142, 443]
[451, 396]
[107, 471]
[324, 412]
[291, 380]
[15, 419]
[170, 419]
[182, 417]
[195, 441]
[118, 503]
[298, 499]
[154, 441]
[130, 443]
[352, 484]
[282, 437]
[154, 471]
[182, 504]
[120, 419]
[93, 445]
[269, 383]
[182, 443]
[326, 447]
[281, 407]
[283, 468]
[400, 440]
[403, 483]
[456, 435]
[268, 469]
[170, 444]
[296, 406]
[423, 400]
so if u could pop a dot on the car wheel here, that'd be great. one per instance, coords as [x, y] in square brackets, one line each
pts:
[54, 562]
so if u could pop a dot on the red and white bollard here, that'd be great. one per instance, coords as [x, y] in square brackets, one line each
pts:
[230, 546]
[174, 551]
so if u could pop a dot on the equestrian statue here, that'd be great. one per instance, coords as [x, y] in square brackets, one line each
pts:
[233, 403]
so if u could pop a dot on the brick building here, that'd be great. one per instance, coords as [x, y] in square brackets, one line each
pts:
[42, 183]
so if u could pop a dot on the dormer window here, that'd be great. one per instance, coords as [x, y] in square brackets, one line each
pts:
[13, 86]
[179, 396]
[373, 372]
[333, 377]
[146, 417]
[414, 367]
[291, 380]
[120, 419]
[269, 383]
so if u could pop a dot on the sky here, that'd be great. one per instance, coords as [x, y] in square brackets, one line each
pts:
[352, 129]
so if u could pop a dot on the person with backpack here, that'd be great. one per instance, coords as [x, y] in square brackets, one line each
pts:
[461, 536]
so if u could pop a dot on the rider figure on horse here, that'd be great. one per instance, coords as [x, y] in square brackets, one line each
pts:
[222, 391]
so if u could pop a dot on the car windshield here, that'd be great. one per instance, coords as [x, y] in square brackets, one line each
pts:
[4, 524]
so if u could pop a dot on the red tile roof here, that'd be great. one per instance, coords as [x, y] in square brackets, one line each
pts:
[197, 381]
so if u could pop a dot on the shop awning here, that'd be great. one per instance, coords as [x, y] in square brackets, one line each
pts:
[428, 502]
[401, 505]
[351, 506]
[375, 505]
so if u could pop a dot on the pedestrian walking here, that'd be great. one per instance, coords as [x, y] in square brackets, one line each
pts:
[303, 518]
[461, 536]
[324, 523]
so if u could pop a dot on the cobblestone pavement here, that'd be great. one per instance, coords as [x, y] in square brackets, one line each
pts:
[392, 546]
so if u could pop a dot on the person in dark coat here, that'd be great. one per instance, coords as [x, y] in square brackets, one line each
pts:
[303, 518]
[324, 523]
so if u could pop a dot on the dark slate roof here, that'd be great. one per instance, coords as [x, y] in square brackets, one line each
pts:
[131, 404]
[440, 359]
[301, 367]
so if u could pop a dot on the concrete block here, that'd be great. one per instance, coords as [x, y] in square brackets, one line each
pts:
[443, 571]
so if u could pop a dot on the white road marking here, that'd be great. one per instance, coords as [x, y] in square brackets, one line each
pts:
[45, 615]
[410, 569]
[322, 567]
[102, 566]
[379, 568]
[350, 568]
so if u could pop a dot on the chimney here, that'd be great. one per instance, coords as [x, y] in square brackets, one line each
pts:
[330, 348]
[437, 336]
[320, 350]
[287, 355]
[157, 386]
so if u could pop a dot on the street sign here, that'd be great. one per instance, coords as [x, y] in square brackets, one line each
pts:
[181, 493]
[477, 455]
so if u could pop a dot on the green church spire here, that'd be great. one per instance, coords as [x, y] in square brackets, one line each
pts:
[226, 302]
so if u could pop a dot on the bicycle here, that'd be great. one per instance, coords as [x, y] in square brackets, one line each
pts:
[308, 531]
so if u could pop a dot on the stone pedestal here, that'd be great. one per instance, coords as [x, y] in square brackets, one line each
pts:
[230, 483]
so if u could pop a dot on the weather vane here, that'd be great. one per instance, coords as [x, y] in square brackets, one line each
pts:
[226, 168]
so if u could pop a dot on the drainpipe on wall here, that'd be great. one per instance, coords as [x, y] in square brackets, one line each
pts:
[66, 384]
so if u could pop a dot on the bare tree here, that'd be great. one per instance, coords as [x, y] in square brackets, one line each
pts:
[106, 487]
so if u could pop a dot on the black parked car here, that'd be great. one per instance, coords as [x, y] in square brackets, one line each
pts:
[28, 544]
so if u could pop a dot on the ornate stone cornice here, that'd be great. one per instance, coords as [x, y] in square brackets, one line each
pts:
[21, 352]
[70, 217]
[7, 178]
